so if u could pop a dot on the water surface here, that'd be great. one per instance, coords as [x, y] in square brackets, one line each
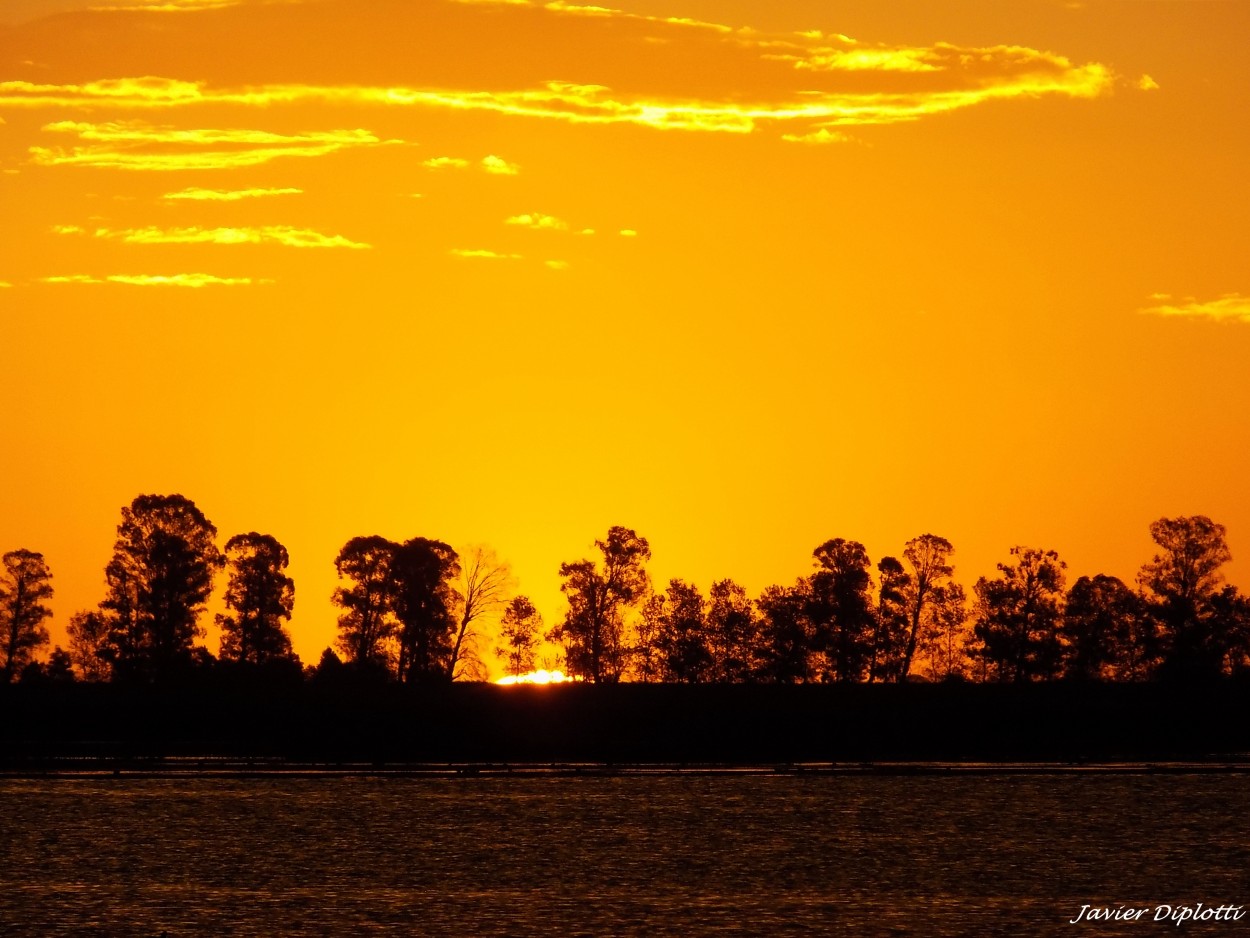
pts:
[681, 855]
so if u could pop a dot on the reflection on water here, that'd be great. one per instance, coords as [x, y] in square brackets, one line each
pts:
[633, 855]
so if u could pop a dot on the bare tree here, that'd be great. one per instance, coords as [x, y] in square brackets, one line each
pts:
[485, 582]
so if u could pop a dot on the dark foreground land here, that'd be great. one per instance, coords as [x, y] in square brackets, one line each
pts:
[51, 726]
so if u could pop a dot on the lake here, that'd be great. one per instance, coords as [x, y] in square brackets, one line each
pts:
[675, 854]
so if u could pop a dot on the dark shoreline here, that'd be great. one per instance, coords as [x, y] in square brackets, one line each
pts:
[846, 728]
[197, 768]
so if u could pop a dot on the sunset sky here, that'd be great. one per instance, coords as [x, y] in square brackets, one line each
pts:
[741, 276]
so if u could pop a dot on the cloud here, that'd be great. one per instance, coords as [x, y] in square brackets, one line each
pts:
[129, 145]
[1231, 307]
[557, 265]
[164, 6]
[5, 285]
[1146, 83]
[484, 255]
[194, 281]
[499, 166]
[446, 162]
[628, 233]
[226, 195]
[538, 221]
[938, 79]
[824, 135]
[269, 234]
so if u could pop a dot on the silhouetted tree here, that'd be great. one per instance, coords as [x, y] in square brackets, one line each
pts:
[732, 633]
[929, 558]
[89, 643]
[1181, 581]
[159, 580]
[593, 629]
[785, 634]
[424, 601]
[681, 639]
[25, 582]
[520, 632]
[1232, 609]
[60, 667]
[329, 668]
[484, 586]
[367, 626]
[1102, 626]
[259, 596]
[947, 637]
[840, 609]
[889, 639]
[1018, 615]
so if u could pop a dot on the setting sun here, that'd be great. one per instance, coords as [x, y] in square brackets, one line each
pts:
[537, 677]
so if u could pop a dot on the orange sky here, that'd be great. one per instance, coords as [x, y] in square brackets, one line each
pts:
[741, 276]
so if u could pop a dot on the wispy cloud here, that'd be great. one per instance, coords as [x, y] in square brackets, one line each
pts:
[498, 166]
[1231, 307]
[817, 137]
[194, 281]
[269, 234]
[481, 254]
[5, 285]
[628, 233]
[939, 79]
[164, 6]
[538, 221]
[225, 195]
[446, 162]
[134, 145]
[1146, 83]
[557, 265]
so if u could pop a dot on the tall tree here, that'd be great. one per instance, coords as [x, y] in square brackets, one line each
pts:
[367, 626]
[25, 583]
[946, 641]
[1018, 616]
[682, 637]
[424, 602]
[732, 633]
[888, 644]
[929, 558]
[1181, 581]
[1103, 627]
[785, 633]
[593, 629]
[159, 580]
[259, 597]
[484, 587]
[520, 633]
[841, 609]
[88, 644]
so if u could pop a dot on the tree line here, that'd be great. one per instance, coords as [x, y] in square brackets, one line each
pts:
[417, 611]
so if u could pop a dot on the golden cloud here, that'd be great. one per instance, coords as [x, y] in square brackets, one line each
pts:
[194, 281]
[812, 70]
[484, 255]
[1231, 307]
[538, 221]
[226, 195]
[499, 166]
[271, 234]
[165, 6]
[446, 162]
[128, 145]
[557, 265]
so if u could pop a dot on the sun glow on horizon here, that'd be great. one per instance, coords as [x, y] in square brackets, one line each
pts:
[540, 676]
